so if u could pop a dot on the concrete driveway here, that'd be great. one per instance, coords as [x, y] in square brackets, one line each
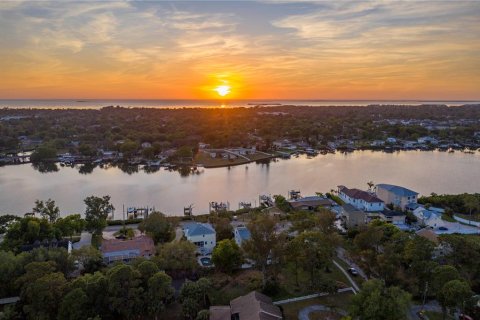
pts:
[85, 241]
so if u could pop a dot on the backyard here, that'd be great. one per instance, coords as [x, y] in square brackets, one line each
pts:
[339, 301]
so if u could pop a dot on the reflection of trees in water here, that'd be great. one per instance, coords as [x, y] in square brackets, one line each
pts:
[128, 168]
[86, 168]
[185, 171]
[151, 169]
[266, 161]
[45, 167]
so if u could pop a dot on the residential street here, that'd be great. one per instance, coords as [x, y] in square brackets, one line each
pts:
[353, 283]
[341, 255]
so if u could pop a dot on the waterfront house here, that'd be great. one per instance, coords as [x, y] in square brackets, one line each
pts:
[354, 218]
[427, 140]
[241, 233]
[396, 195]
[203, 235]
[377, 143]
[428, 217]
[360, 199]
[310, 203]
[252, 306]
[126, 250]
[391, 140]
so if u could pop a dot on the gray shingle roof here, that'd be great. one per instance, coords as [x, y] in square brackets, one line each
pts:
[399, 191]
[197, 229]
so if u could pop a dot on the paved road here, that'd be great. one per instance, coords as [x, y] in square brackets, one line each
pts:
[341, 255]
[85, 240]
[354, 284]
[304, 313]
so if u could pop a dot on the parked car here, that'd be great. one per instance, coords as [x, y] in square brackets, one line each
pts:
[353, 271]
[443, 228]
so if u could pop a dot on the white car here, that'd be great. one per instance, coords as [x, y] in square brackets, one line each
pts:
[353, 271]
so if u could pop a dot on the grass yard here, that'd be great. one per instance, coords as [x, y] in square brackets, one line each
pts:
[358, 279]
[340, 300]
[227, 287]
[473, 217]
[209, 162]
[288, 284]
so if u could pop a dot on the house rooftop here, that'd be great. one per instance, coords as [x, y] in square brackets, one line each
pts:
[243, 232]
[428, 234]
[197, 229]
[252, 306]
[255, 306]
[142, 244]
[413, 206]
[312, 201]
[359, 194]
[397, 190]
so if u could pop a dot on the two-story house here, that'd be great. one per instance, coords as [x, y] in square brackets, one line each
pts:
[203, 235]
[360, 199]
[396, 195]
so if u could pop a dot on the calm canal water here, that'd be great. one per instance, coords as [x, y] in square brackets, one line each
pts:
[169, 192]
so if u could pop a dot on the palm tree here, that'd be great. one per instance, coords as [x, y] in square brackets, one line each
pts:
[370, 185]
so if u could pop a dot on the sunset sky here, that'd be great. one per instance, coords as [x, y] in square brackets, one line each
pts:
[269, 49]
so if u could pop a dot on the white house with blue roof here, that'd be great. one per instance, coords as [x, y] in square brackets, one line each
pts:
[241, 234]
[429, 217]
[203, 235]
[398, 196]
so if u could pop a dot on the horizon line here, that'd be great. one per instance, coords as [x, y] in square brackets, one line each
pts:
[227, 100]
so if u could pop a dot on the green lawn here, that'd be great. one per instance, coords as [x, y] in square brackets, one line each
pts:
[358, 279]
[340, 300]
[448, 218]
[289, 287]
[473, 217]
[228, 287]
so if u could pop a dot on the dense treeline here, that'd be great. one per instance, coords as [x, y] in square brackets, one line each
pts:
[165, 128]
[448, 271]
[465, 203]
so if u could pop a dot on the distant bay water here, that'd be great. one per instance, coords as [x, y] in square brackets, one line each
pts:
[96, 104]
[168, 191]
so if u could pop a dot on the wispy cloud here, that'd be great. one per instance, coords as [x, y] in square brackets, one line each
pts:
[396, 49]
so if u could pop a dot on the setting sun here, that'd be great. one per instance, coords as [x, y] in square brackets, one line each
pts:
[223, 90]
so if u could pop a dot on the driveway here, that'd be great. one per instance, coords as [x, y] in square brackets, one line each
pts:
[354, 284]
[304, 313]
[457, 227]
[85, 241]
[341, 255]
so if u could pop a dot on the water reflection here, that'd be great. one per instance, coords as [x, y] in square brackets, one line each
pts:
[171, 190]
[86, 168]
[45, 167]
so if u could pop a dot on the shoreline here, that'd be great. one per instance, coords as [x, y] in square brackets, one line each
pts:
[279, 155]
